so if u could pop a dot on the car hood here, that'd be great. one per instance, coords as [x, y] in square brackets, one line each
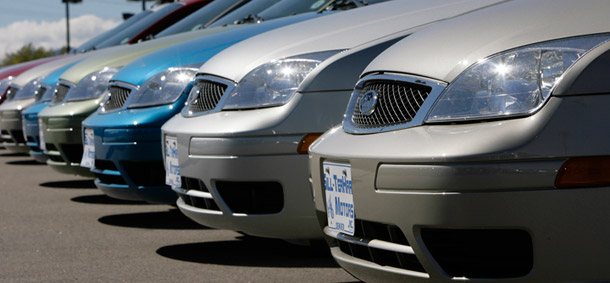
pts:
[444, 50]
[125, 54]
[196, 51]
[33, 73]
[45, 68]
[334, 32]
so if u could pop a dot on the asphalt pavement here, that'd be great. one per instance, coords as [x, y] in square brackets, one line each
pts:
[60, 228]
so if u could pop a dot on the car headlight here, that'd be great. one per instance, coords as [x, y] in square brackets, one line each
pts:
[92, 86]
[29, 90]
[512, 83]
[274, 83]
[165, 87]
[5, 84]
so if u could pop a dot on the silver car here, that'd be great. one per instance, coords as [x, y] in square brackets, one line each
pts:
[237, 154]
[477, 149]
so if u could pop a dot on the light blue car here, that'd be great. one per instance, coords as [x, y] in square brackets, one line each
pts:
[122, 139]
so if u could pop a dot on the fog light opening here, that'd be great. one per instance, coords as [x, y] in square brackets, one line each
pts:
[578, 172]
[306, 141]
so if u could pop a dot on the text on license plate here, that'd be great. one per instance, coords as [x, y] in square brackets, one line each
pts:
[339, 197]
[172, 168]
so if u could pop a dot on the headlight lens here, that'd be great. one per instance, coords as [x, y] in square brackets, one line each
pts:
[164, 87]
[28, 90]
[92, 86]
[512, 83]
[274, 83]
[5, 84]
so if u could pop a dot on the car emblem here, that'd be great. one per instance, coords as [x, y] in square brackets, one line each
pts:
[368, 102]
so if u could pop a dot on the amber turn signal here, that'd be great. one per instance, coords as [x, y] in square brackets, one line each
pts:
[306, 141]
[584, 172]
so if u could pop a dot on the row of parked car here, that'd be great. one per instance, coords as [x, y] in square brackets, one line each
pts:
[425, 140]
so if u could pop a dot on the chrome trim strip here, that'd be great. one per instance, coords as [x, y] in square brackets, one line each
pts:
[436, 86]
[230, 86]
[378, 244]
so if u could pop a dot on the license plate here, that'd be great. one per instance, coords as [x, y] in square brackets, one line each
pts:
[42, 145]
[88, 159]
[172, 168]
[339, 197]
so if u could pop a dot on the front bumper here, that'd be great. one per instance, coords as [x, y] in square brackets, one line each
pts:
[256, 185]
[241, 170]
[12, 131]
[474, 201]
[31, 132]
[64, 146]
[129, 165]
[63, 135]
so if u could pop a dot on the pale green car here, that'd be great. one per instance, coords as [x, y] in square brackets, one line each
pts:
[79, 93]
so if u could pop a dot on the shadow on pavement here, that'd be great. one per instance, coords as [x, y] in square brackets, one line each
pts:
[104, 199]
[170, 219]
[12, 154]
[252, 251]
[70, 184]
[25, 162]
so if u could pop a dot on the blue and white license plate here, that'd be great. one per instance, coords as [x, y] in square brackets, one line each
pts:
[172, 168]
[42, 145]
[88, 159]
[339, 197]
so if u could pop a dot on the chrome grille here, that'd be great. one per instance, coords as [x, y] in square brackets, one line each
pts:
[118, 96]
[60, 94]
[398, 103]
[40, 92]
[207, 97]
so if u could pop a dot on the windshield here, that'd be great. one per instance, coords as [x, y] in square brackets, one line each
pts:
[92, 43]
[125, 35]
[293, 7]
[203, 17]
[252, 8]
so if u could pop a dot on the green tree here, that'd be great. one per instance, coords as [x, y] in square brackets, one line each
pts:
[26, 53]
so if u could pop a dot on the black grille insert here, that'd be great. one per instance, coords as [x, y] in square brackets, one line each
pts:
[73, 152]
[378, 231]
[252, 197]
[17, 136]
[397, 103]
[118, 96]
[145, 173]
[207, 96]
[105, 165]
[479, 253]
[193, 184]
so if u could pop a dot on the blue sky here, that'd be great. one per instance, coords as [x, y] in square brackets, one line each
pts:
[42, 22]
[53, 10]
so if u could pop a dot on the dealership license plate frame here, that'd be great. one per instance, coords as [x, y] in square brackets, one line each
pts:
[340, 208]
[172, 168]
[88, 159]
